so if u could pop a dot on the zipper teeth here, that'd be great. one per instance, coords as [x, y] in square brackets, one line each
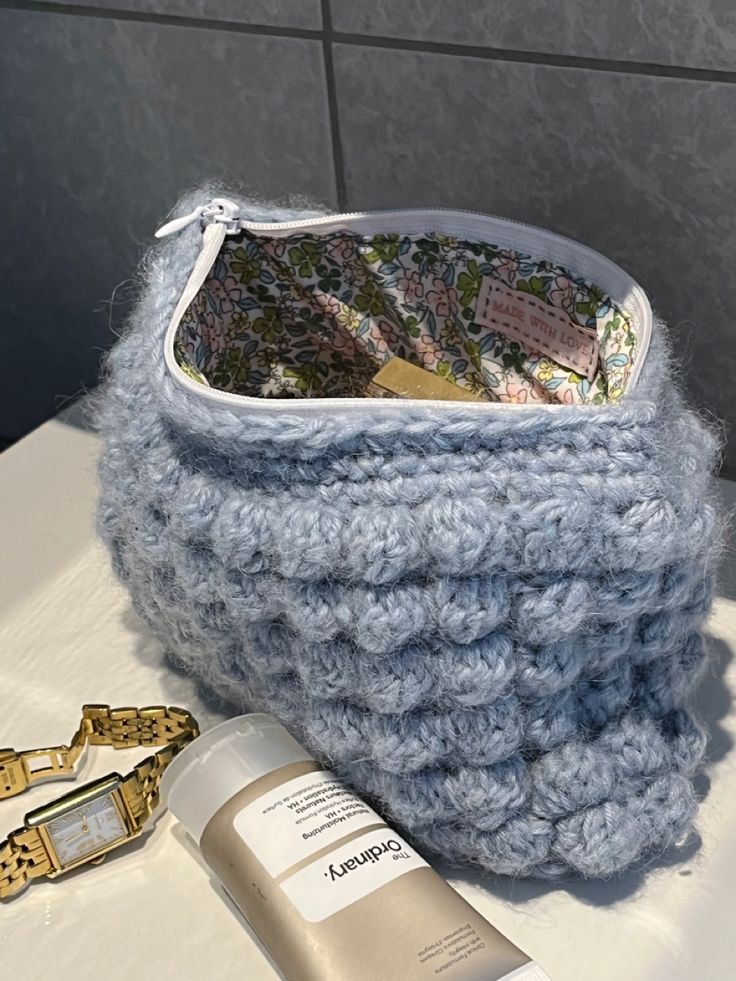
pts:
[370, 216]
[261, 226]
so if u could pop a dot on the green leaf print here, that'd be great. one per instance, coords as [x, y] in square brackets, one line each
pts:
[514, 358]
[262, 293]
[472, 349]
[304, 257]
[589, 306]
[330, 280]
[411, 326]
[468, 283]
[310, 319]
[308, 377]
[232, 370]
[489, 252]
[244, 266]
[370, 299]
[534, 285]
[426, 254]
[383, 248]
[444, 370]
[586, 309]
[269, 326]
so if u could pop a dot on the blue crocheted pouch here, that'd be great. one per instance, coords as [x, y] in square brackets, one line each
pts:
[485, 614]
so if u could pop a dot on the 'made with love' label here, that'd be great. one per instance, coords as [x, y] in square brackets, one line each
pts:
[537, 326]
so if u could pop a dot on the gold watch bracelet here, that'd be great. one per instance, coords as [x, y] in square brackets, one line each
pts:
[24, 855]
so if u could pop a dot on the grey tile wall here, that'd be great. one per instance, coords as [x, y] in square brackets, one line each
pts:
[613, 123]
[111, 121]
[273, 13]
[694, 33]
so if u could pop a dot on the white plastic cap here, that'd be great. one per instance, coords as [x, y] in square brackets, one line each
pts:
[221, 762]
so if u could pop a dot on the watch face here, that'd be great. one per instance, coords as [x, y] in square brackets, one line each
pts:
[86, 829]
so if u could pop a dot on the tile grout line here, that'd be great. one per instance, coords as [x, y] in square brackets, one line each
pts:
[171, 20]
[543, 59]
[338, 160]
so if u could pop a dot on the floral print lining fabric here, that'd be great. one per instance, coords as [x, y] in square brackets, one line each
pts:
[309, 316]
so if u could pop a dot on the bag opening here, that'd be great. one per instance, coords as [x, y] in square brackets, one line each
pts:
[313, 315]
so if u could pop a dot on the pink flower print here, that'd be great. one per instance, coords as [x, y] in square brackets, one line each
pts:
[376, 343]
[344, 342]
[390, 332]
[428, 351]
[562, 294]
[515, 393]
[412, 286]
[567, 398]
[341, 247]
[227, 293]
[508, 265]
[330, 305]
[383, 336]
[212, 330]
[442, 299]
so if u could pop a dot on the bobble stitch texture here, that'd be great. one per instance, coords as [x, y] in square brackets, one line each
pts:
[487, 623]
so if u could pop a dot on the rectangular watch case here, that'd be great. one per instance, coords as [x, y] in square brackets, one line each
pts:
[43, 817]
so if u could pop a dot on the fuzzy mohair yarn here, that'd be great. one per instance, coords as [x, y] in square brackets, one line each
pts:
[488, 623]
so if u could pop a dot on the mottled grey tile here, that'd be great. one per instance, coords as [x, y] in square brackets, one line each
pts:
[103, 124]
[641, 168]
[693, 33]
[270, 13]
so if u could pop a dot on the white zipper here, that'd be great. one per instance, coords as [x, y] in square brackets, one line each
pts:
[220, 218]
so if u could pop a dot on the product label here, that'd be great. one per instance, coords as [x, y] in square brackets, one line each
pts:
[350, 873]
[537, 326]
[297, 819]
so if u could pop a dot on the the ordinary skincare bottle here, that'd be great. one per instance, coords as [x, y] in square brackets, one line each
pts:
[331, 890]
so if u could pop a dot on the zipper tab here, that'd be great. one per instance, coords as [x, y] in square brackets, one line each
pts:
[219, 210]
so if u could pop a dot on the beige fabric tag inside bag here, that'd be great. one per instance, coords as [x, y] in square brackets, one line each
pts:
[538, 326]
[408, 381]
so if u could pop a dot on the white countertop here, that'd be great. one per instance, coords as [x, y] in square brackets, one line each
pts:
[69, 636]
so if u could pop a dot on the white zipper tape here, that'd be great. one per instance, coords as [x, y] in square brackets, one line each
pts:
[212, 239]
[220, 218]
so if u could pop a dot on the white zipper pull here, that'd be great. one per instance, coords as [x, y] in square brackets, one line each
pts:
[218, 210]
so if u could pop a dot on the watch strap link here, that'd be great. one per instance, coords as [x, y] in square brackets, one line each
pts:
[170, 728]
[123, 728]
[120, 728]
[23, 855]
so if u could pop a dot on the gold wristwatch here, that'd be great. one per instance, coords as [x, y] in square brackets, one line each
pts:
[84, 825]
